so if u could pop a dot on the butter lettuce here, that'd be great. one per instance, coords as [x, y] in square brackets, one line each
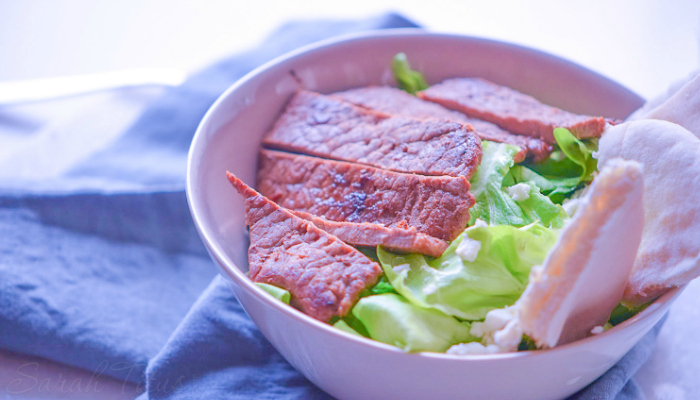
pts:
[383, 286]
[276, 292]
[495, 278]
[409, 80]
[493, 203]
[622, 312]
[576, 151]
[538, 207]
[391, 319]
[343, 326]
[564, 171]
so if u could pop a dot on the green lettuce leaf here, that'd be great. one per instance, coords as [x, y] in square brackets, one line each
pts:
[468, 290]
[557, 189]
[576, 151]
[391, 319]
[564, 171]
[540, 207]
[409, 80]
[276, 292]
[383, 286]
[343, 326]
[495, 206]
[623, 312]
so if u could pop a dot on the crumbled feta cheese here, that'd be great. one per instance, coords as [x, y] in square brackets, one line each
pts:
[519, 192]
[509, 338]
[428, 269]
[463, 349]
[536, 273]
[479, 223]
[468, 249]
[597, 330]
[430, 289]
[492, 349]
[478, 329]
[401, 268]
[570, 206]
[498, 318]
[500, 328]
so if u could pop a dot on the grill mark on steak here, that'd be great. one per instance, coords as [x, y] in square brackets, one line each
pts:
[405, 240]
[511, 110]
[341, 191]
[324, 275]
[397, 102]
[329, 127]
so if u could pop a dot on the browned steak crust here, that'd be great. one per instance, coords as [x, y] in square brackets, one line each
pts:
[511, 110]
[324, 275]
[329, 127]
[397, 102]
[341, 191]
[367, 234]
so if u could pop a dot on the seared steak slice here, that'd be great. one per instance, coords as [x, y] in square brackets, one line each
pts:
[397, 102]
[367, 234]
[341, 191]
[329, 127]
[324, 275]
[511, 110]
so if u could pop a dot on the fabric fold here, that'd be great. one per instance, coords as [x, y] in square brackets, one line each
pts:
[218, 352]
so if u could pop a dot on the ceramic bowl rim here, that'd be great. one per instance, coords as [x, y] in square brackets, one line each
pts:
[239, 277]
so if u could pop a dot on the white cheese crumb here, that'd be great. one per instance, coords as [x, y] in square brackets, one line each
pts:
[570, 206]
[479, 223]
[492, 348]
[478, 329]
[500, 329]
[468, 249]
[463, 349]
[401, 268]
[509, 338]
[597, 330]
[427, 269]
[429, 289]
[519, 192]
[498, 318]
[536, 273]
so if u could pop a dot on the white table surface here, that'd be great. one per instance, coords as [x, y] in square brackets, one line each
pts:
[646, 45]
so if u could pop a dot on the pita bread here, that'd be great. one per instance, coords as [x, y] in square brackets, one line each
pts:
[669, 254]
[584, 275]
[679, 106]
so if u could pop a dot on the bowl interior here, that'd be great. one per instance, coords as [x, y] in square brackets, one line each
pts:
[230, 134]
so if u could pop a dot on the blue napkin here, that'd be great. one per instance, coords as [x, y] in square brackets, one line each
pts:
[101, 268]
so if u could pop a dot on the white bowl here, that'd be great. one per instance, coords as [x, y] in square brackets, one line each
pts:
[351, 367]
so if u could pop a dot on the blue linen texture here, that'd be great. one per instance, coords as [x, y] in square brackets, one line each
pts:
[112, 275]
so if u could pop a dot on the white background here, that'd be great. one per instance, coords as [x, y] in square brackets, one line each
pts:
[645, 45]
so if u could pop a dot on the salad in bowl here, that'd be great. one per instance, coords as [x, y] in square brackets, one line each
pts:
[449, 229]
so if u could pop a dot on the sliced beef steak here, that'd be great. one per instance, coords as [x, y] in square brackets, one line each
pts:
[329, 127]
[342, 191]
[367, 234]
[397, 102]
[324, 275]
[511, 110]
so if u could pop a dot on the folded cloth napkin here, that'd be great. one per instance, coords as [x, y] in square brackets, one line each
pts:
[101, 268]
